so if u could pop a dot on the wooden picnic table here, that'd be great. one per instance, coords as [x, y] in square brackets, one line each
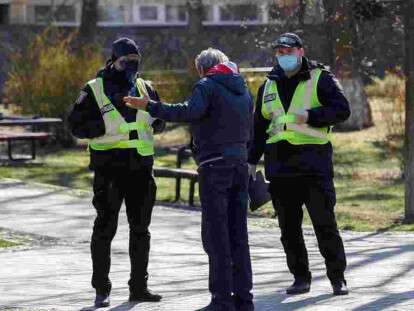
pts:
[29, 121]
[31, 136]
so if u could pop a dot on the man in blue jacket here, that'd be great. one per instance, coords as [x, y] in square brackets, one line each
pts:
[220, 111]
[296, 108]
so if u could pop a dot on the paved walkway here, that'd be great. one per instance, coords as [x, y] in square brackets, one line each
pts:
[52, 271]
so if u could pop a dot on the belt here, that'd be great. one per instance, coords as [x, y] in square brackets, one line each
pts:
[210, 160]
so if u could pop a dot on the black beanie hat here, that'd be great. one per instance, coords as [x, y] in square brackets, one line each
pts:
[124, 46]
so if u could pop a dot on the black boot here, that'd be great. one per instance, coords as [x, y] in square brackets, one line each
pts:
[214, 307]
[143, 295]
[102, 300]
[299, 287]
[209, 307]
[242, 305]
[340, 288]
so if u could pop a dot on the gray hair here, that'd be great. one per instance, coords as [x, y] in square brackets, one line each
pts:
[209, 58]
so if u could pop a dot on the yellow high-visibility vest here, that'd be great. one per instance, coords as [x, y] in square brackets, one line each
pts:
[117, 129]
[283, 124]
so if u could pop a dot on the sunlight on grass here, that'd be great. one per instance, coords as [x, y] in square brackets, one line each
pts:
[5, 243]
[370, 188]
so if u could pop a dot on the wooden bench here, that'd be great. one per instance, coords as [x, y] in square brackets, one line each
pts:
[9, 137]
[178, 174]
[183, 154]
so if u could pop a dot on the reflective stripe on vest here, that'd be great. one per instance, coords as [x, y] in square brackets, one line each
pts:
[283, 125]
[117, 129]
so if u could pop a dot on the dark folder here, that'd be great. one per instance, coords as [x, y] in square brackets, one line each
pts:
[258, 191]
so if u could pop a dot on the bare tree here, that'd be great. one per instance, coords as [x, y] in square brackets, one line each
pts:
[195, 26]
[89, 20]
[301, 14]
[344, 48]
[409, 112]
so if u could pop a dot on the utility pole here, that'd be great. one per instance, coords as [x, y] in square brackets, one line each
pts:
[409, 109]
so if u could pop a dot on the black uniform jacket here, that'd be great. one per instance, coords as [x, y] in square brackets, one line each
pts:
[86, 121]
[283, 159]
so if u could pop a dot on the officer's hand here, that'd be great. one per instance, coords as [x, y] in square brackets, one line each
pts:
[302, 118]
[137, 102]
[252, 171]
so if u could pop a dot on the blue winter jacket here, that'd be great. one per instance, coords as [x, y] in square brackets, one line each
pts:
[220, 113]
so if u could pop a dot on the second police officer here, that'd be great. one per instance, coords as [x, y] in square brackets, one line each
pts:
[295, 111]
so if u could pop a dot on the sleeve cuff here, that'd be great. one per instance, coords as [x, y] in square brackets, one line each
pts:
[312, 119]
[151, 106]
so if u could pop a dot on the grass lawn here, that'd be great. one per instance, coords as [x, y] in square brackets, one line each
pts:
[370, 190]
[5, 243]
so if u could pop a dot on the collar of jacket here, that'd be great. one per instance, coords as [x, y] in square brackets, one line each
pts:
[277, 73]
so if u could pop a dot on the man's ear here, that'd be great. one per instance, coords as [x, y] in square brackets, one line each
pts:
[301, 52]
[200, 72]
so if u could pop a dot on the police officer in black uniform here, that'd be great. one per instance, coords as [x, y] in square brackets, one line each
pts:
[116, 169]
[298, 156]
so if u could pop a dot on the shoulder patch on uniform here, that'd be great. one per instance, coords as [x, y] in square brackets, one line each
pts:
[270, 97]
[81, 98]
[338, 84]
[149, 84]
[107, 108]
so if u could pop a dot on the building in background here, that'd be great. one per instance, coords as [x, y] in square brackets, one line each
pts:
[242, 28]
[147, 13]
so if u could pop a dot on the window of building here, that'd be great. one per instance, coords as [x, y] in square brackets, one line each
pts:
[65, 13]
[111, 13]
[176, 13]
[148, 13]
[60, 13]
[42, 13]
[240, 12]
[208, 11]
[115, 12]
[4, 14]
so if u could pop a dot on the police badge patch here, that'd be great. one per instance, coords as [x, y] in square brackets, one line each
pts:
[107, 108]
[270, 97]
[81, 97]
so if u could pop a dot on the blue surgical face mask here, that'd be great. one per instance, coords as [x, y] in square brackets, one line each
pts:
[288, 62]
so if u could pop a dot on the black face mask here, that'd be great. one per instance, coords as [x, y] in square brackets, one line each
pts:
[131, 70]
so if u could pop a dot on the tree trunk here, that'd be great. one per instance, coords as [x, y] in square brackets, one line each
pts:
[301, 15]
[330, 6]
[409, 109]
[195, 28]
[196, 40]
[89, 20]
[342, 35]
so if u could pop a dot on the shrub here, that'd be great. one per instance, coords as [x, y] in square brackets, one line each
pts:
[176, 87]
[254, 81]
[172, 87]
[46, 78]
[390, 91]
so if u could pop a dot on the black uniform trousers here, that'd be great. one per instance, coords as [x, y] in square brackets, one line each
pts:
[317, 193]
[111, 187]
[224, 199]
